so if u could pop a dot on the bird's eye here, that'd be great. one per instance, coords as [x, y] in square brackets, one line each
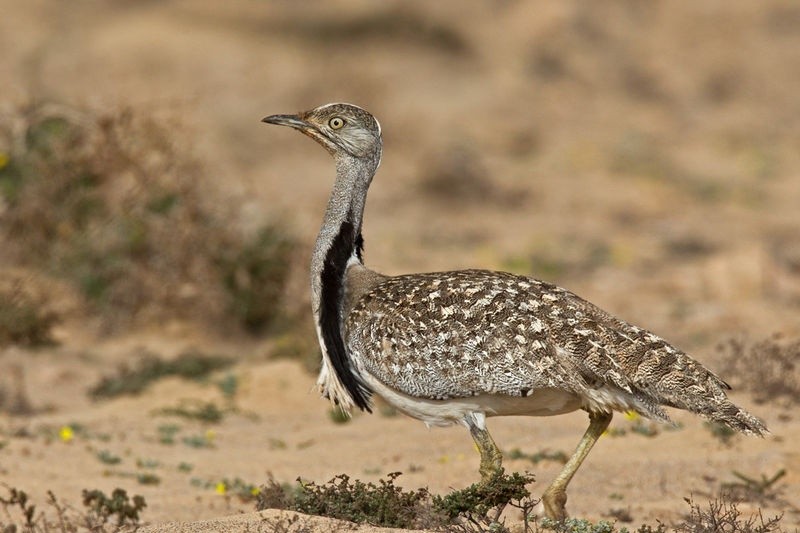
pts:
[336, 123]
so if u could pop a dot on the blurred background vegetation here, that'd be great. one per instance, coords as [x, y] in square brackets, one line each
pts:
[645, 154]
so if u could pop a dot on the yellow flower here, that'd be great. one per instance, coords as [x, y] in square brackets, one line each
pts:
[632, 416]
[221, 488]
[3, 159]
[210, 435]
[66, 433]
[255, 491]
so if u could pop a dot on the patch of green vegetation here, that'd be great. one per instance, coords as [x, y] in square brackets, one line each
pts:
[578, 525]
[536, 458]
[254, 276]
[185, 467]
[229, 385]
[119, 506]
[147, 463]
[206, 412]
[384, 504]
[475, 508]
[241, 489]
[113, 202]
[148, 479]
[167, 432]
[198, 441]
[277, 444]
[188, 365]
[229, 487]
[485, 501]
[108, 458]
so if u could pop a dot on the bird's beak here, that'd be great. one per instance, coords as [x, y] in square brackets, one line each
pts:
[306, 128]
[293, 121]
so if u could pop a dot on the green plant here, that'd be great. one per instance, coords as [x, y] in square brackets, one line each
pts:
[207, 412]
[544, 455]
[189, 365]
[119, 506]
[167, 432]
[199, 441]
[384, 504]
[481, 504]
[147, 463]
[577, 525]
[108, 458]
[114, 202]
[476, 508]
[254, 276]
[148, 479]
[229, 385]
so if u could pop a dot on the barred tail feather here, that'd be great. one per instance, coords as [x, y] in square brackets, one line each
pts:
[736, 418]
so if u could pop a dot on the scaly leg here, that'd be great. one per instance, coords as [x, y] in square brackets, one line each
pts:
[554, 498]
[491, 458]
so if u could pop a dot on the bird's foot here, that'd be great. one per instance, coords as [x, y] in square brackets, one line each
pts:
[554, 502]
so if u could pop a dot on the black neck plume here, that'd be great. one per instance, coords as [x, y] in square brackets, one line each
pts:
[342, 248]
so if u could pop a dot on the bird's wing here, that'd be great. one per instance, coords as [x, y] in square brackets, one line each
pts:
[457, 334]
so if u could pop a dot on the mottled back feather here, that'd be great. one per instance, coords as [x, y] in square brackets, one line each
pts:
[459, 334]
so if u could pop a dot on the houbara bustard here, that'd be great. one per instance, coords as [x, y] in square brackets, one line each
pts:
[457, 347]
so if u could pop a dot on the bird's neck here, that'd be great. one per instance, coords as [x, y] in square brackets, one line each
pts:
[338, 244]
[339, 239]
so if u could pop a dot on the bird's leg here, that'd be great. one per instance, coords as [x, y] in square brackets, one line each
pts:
[554, 498]
[491, 458]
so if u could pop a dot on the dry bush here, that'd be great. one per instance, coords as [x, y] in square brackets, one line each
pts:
[477, 508]
[101, 513]
[24, 319]
[769, 369]
[112, 202]
[394, 25]
[723, 516]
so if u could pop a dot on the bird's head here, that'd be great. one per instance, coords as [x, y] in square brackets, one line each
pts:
[339, 128]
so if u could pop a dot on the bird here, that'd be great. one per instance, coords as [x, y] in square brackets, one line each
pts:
[459, 347]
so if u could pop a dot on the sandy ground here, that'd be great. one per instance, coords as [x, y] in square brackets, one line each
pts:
[645, 156]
